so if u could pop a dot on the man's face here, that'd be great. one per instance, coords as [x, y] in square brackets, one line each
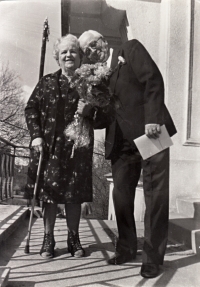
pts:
[98, 51]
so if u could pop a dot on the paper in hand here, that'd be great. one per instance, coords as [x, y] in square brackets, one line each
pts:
[149, 147]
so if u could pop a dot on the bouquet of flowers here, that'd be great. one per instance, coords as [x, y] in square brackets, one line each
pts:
[90, 80]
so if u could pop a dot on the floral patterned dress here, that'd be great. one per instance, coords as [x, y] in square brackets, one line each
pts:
[63, 179]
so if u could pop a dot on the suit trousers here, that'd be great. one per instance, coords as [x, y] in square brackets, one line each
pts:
[126, 170]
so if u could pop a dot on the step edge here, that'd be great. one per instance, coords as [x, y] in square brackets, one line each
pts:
[5, 233]
[10, 215]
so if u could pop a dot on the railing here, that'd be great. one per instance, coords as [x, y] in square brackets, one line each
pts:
[7, 165]
[6, 175]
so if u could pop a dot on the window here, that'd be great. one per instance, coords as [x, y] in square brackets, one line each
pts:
[193, 115]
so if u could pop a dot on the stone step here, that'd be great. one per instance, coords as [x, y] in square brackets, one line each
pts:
[12, 217]
[7, 211]
[188, 206]
[18, 200]
[185, 230]
[4, 274]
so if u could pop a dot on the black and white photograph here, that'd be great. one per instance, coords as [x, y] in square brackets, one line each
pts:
[99, 143]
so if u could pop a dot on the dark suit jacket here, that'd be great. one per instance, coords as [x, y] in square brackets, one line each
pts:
[138, 84]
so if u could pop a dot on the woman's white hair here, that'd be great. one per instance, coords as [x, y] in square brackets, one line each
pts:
[68, 37]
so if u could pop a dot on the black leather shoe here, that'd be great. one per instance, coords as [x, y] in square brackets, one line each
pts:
[149, 270]
[118, 258]
[74, 245]
[47, 250]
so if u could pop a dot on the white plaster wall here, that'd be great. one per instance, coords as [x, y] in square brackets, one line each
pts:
[144, 19]
[164, 29]
[185, 160]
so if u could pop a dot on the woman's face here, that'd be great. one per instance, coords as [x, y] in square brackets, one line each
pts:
[69, 57]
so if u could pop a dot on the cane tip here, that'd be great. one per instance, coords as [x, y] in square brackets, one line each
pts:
[26, 249]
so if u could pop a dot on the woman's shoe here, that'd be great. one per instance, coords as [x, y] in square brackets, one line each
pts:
[74, 245]
[47, 250]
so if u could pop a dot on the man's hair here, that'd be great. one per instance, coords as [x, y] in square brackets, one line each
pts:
[88, 37]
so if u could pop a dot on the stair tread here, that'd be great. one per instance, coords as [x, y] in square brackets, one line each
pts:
[183, 221]
[8, 211]
[4, 274]
[189, 199]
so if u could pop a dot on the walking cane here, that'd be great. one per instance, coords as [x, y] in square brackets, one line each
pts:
[26, 249]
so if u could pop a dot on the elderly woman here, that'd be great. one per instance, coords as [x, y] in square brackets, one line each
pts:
[64, 178]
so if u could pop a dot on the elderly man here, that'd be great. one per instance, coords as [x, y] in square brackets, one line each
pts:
[139, 87]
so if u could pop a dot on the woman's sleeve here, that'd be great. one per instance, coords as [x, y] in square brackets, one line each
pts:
[32, 112]
[104, 116]
[150, 77]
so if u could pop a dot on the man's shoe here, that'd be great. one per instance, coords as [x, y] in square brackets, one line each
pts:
[118, 258]
[149, 270]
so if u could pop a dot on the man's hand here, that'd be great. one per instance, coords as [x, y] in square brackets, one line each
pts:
[84, 109]
[37, 144]
[152, 130]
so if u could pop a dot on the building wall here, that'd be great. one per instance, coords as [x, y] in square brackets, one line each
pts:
[185, 160]
[164, 29]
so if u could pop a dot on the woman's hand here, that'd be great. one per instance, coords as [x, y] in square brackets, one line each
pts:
[38, 144]
[84, 109]
[152, 130]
